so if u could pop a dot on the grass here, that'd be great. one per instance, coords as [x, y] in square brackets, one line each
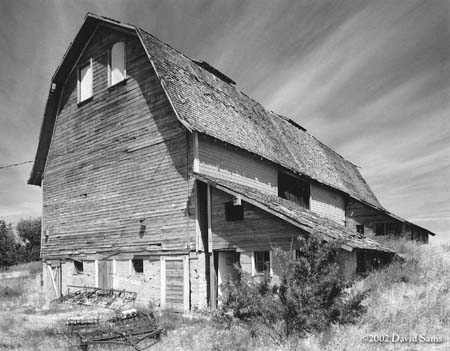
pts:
[30, 267]
[408, 297]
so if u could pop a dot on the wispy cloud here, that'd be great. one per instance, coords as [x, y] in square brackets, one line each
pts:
[368, 78]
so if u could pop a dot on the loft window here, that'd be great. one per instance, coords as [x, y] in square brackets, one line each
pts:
[138, 265]
[293, 189]
[261, 261]
[116, 66]
[234, 212]
[78, 265]
[360, 228]
[85, 82]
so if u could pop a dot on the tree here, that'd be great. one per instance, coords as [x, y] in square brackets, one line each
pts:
[29, 231]
[309, 295]
[7, 245]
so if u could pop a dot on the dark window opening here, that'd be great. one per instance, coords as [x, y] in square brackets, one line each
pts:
[390, 229]
[262, 261]
[293, 189]
[379, 229]
[138, 265]
[360, 228]
[78, 267]
[393, 229]
[367, 260]
[234, 212]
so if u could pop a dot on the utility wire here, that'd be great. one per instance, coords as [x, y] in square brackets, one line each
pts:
[15, 164]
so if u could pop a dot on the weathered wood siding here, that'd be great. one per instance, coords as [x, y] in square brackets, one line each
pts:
[116, 177]
[175, 283]
[359, 214]
[328, 203]
[258, 230]
[226, 162]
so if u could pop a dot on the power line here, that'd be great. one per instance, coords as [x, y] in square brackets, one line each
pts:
[15, 164]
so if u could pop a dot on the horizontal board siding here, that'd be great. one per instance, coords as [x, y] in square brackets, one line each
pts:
[359, 214]
[227, 162]
[328, 203]
[258, 230]
[174, 284]
[116, 160]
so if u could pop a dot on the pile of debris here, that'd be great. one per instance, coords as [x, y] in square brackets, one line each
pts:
[130, 328]
[90, 296]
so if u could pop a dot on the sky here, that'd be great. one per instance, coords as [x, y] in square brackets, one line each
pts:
[369, 78]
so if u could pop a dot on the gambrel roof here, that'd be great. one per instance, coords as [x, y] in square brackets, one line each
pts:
[208, 102]
[212, 106]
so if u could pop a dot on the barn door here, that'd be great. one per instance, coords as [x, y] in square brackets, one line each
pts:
[175, 283]
[105, 274]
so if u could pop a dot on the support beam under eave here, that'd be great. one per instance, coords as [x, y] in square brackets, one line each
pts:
[212, 270]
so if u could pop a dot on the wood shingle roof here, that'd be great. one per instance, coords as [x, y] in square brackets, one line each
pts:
[301, 217]
[212, 106]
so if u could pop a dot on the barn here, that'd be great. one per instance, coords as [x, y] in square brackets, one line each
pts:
[158, 175]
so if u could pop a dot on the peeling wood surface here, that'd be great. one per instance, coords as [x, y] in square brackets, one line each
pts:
[118, 159]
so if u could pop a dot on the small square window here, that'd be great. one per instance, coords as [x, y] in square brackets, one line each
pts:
[78, 265]
[138, 265]
[234, 212]
[117, 71]
[360, 228]
[262, 261]
[85, 82]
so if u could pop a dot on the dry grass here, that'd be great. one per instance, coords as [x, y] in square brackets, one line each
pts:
[406, 298]
[30, 267]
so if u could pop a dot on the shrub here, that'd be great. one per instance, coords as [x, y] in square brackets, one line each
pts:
[309, 295]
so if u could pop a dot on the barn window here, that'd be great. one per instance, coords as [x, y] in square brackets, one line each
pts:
[116, 69]
[393, 229]
[79, 268]
[293, 189]
[233, 211]
[138, 265]
[261, 262]
[85, 82]
[360, 228]
[379, 229]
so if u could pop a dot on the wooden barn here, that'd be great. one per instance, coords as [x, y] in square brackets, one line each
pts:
[158, 175]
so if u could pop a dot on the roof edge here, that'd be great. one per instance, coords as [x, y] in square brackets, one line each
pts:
[163, 85]
[308, 229]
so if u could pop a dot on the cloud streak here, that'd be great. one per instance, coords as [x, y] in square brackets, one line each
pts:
[368, 78]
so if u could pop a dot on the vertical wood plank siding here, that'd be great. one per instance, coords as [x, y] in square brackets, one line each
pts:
[258, 231]
[226, 162]
[117, 171]
[328, 203]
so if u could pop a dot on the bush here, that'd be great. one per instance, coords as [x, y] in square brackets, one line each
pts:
[309, 296]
